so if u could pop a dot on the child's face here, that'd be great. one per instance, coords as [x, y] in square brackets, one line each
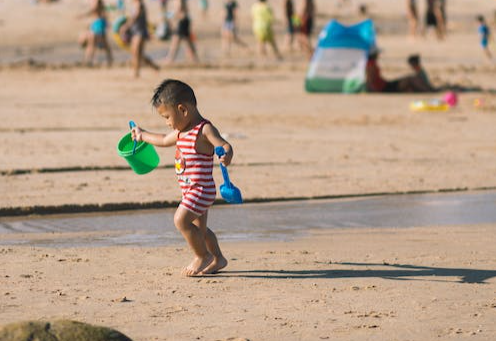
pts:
[175, 117]
[172, 116]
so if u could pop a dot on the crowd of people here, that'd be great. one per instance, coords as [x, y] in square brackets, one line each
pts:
[176, 27]
[299, 20]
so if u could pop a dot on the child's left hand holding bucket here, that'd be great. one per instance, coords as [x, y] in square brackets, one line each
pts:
[140, 155]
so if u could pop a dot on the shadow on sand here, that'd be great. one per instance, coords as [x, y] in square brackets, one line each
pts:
[398, 272]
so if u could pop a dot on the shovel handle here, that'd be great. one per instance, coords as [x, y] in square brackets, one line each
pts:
[131, 126]
[220, 151]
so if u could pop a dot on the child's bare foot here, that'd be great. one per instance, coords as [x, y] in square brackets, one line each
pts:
[198, 265]
[217, 264]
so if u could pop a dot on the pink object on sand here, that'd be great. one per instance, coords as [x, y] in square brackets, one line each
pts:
[451, 98]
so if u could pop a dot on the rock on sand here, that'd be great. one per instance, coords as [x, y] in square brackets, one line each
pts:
[62, 330]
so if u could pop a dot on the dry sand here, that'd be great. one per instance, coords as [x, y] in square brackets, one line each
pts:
[387, 284]
[61, 123]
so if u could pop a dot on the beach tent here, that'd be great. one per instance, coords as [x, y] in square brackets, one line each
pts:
[338, 63]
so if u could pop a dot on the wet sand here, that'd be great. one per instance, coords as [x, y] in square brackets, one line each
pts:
[61, 124]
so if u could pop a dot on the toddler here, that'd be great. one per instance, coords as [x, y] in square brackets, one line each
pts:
[195, 139]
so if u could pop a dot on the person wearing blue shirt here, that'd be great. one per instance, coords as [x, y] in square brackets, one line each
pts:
[485, 36]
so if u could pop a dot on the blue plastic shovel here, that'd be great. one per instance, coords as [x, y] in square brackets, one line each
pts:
[228, 191]
[131, 126]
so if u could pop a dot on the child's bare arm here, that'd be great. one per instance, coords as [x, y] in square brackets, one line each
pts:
[213, 136]
[159, 140]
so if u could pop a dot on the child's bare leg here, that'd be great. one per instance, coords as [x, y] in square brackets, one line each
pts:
[219, 261]
[195, 237]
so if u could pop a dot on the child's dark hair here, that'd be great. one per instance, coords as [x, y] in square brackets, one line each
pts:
[414, 59]
[172, 92]
[480, 18]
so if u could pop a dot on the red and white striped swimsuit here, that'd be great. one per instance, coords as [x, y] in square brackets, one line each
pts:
[194, 173]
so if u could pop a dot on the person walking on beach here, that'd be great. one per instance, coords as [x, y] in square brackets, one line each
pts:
[307, 18]
[289, 17]
[412, 14]
[229, 30]
[195, 139]
[434, 17]
[485, 36]
[182, 32]
[263, 20]
[96, 36]
[137, 26]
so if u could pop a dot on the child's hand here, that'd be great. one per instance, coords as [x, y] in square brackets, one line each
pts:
[137, 134]
[227, 157]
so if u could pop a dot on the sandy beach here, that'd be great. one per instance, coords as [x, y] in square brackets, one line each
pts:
[61, 123]
[387, 284]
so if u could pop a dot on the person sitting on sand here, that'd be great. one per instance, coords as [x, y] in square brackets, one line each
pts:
[374, 80]
[195, 139]
[96, 36]
[418, 82]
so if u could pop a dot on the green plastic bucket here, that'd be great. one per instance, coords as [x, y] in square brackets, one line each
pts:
[144, 160]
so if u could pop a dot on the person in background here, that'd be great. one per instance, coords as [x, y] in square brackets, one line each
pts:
[419, 81]
[182, 31]
[485, 36]
[434, 18]
[289, 17]
[307, 19]
[412, 14]
[416, 82]
[96, 36]
[263, 19]
[203, 7]
[137, 26]
[229, 30]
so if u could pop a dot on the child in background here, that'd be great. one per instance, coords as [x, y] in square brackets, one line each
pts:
[229, 32]
[262, 27]
[96, 36]
[485, 35]
[195, 139]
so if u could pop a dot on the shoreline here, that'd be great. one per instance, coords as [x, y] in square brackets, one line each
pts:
[74, 209]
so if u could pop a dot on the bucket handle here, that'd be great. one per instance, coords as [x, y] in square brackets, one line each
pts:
[131, 126]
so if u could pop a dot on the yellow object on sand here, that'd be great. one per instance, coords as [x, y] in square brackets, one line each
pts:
[121, 43]
[262, 21]
[429, 105]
